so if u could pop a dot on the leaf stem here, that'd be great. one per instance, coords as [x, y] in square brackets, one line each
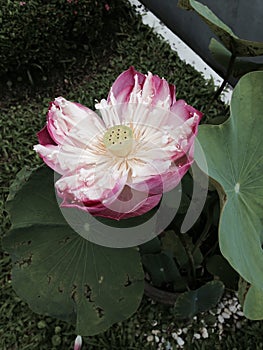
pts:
[206, 229]
[227, 76]
[159, 295]
[192, 272]
[224, 82]
[203, 236]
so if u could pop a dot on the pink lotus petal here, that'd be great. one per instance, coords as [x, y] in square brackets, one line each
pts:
[172, 94]
[165, 182]
[96, 208]
[65, 116]
[49, 154]
[173, 177]
[69, 125]
[44, 137]
[183, 111]
[161, 92]
[89, 187]
[123, 85]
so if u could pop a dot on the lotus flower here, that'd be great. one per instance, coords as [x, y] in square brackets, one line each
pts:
[119, 164]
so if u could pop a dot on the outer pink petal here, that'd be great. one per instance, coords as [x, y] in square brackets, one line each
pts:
[65, 116]
[49, 154]
[114, 203]
[143, 207]
[44, 137]
[172, 93]
[187, 144]
[68, 124]
[152, 185]
[96, 208]
[165, 182]
[173, 177]
[124, 84]
[86, 187]
[161, 91]
[181, 110]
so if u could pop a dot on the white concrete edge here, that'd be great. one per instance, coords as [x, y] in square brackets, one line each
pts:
[184, 52]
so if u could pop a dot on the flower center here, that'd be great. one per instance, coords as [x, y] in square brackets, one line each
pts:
[118, 140]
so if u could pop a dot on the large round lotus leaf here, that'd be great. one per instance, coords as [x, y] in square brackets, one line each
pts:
[59, 273]
[234, 156]
[232, 42]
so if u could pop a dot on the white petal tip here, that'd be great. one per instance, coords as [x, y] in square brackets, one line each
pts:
[78, 343]
[36, 148]
[102, 104]
[61, 100]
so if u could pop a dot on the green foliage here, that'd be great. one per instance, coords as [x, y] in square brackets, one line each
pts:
[240, 229]
[151, 247]
[235, 162]
[59, 273]
[223, 56]
[220, 269]
[23, 113]
[232, 47]
[172, 243]
[34, 34]
[202, 299]
[161, 268]
[251, 299]
[233, 43]
[21, 178]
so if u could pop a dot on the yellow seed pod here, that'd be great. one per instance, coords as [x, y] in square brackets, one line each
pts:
[118, 140]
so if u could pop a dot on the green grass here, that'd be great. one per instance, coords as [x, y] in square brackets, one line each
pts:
[86, 77]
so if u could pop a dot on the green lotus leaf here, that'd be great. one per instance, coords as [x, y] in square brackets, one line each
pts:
[161, 268]
[172, 243]
[251, 299]
[220, 268]
[21, 177]
[59, 273]
[202, 299]
[233, 43]
[234, 157]
[223, 56]
[151, 247]
[253, 303]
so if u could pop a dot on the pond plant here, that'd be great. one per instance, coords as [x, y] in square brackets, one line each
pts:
[137, 198]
